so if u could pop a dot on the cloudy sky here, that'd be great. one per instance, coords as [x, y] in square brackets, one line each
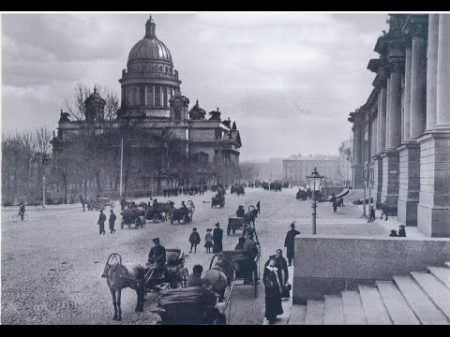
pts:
[288, 79]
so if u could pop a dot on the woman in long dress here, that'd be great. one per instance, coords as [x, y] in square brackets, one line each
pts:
[273, 291]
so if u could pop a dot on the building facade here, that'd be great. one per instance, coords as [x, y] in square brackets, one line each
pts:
[401, 135]
[156, 142]
[297, 168]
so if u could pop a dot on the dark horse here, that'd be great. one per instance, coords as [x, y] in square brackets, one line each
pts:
[119, 277]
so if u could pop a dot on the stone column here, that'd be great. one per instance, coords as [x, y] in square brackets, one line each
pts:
[418, 86]
[357, 154]
[395, 106]
[443, 73]
[432, 57]
[434, 201]
[388, 114]
[381, 120]
[407, 99]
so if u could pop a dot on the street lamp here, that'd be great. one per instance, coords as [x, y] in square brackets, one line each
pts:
[315, 179]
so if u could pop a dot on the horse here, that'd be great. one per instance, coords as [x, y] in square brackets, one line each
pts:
[118, 277]
[251, 215]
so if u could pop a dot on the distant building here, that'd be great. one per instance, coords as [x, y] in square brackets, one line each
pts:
[270, 170]
[165, 144]
[297, 168]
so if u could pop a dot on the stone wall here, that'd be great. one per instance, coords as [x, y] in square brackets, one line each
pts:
[330, 264]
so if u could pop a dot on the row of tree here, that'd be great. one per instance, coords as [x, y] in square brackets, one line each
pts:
[25, 160]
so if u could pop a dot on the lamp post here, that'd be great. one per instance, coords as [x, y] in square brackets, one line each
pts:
[315, 180]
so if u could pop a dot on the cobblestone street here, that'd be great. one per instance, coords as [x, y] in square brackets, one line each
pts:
[51, 264]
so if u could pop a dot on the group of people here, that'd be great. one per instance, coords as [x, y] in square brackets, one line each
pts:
[101, 222]
[213, 240]
[336, 202]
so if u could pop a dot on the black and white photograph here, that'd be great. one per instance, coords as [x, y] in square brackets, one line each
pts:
[225, 168]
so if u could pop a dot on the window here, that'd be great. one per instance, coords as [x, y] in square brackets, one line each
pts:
[158, 96]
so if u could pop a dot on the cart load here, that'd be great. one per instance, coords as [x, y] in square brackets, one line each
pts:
[192, 305]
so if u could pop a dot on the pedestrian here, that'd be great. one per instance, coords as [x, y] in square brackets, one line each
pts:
[333, 200]
[112, 220]
[258, 207]
[195, 279]
[401, 231]
[217, 238]
[83, 203]
[208, 240]
[289, 243]
[371, 214]
[22, 211]
[194, 239]
[101, 223]
[157, 258]
[283, 272]
[273, 291]
[385, 210]
[393, 233]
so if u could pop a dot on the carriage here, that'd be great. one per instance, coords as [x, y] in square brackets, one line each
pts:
[276, 186]
[175, 273]
[99, 203]
[239, 265]
[133, 216]
[238, 189]
[218, 200]
[245, 223]
[189, 306]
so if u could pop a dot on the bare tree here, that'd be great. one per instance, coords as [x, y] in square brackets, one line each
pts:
[75, 106]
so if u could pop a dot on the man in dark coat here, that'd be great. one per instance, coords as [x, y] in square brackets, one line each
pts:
[217, 238]
[273, 291]
[112, 220]
[289, 242]
[101, 223]
[333, 200]
[194, 239]
[401, 231]
[283, 272]
[240, 212]
[252, 250]
[258, 207]
[157, 256]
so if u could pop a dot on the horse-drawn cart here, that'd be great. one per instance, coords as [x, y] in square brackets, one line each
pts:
[239, 265]
[99, 203]
[133, 216]
[191, 306]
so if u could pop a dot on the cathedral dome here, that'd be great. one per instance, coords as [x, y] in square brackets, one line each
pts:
[150, 48]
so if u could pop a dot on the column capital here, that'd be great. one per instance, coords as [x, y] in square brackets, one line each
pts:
[416, 26]
[396, 64]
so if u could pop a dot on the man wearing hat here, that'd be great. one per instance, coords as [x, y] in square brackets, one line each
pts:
[240, 212]
[157, 256]
[289, 243]
[401, 231]
[217, 239]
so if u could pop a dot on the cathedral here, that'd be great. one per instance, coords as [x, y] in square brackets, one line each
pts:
[155, 143]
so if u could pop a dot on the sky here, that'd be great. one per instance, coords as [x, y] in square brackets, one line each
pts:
[289, 80]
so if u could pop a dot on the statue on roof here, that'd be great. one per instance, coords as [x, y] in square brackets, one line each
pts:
[215, 115]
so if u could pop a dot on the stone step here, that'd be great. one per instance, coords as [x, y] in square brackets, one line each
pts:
[373, 305]
[442, 274]
[333, 314]
[423, 307]
[298, 315]
[447, 264]
[314, 312]
[352, 308]
[435, 290]
[396, 305]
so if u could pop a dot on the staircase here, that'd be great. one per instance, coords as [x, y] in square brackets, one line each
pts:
[419, 298]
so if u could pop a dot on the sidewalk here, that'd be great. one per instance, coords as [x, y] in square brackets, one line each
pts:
[392, 223]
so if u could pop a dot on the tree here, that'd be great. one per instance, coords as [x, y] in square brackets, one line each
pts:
[249, 171]
[75, 106]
